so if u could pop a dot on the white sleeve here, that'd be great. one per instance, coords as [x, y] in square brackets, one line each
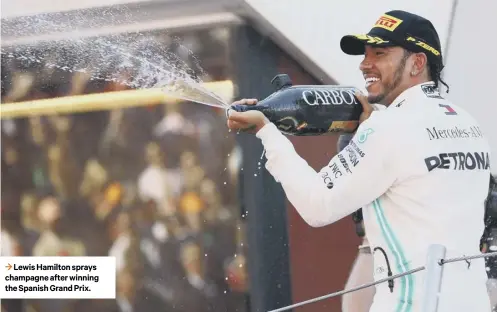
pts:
[355, 177]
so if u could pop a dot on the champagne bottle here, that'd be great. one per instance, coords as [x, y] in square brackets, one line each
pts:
[304, 110]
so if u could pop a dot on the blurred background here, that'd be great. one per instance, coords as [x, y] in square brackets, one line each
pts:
[194, 221]
[154, 186]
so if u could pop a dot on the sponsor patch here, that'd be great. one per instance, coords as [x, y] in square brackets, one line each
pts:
[327, 180]
[352, 154]
[357, 149]
[363, 136]
[424, 45]
[449, 109]
[335, 170]
[344, 163]
[388, 22]
[431, 91]
[370, 39]
[459, 161]
[435, 133]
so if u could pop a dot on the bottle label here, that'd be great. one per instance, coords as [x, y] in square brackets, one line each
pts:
[343, 126]
[329, 97]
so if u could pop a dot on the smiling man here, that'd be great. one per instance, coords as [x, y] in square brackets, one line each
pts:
[419, 169]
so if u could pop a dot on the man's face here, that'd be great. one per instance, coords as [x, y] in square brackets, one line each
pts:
[385, 72]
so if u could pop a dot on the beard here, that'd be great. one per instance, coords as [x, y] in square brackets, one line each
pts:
[392, 85]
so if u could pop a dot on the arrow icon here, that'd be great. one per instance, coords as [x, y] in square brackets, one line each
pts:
[8, 266]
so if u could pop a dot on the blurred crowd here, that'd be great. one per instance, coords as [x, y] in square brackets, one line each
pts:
[155, 187]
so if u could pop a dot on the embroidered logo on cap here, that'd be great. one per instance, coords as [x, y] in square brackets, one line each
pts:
[388, 22]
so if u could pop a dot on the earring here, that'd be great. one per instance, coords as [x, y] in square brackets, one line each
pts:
[413, 73]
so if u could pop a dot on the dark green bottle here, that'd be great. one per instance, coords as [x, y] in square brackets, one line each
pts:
[309, 109]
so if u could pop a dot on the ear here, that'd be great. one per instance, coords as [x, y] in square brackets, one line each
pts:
[419, 64]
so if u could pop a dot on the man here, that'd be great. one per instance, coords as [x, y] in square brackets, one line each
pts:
[360, 274]
[421, 169]
[362, 268]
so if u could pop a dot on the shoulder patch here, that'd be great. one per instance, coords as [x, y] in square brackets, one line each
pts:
[363, 136]
[431, 91]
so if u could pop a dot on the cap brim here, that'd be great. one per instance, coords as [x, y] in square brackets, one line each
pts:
[355, 44]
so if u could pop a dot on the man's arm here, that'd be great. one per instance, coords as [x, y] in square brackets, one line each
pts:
[355, 177]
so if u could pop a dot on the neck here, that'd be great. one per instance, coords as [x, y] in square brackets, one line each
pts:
[403, 87]
[418, 80]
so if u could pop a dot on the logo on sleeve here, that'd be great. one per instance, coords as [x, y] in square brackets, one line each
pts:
[363, 136]
[449, 109]
[344, 163]
[327, 180]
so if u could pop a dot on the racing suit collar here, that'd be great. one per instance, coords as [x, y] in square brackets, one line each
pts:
[414, 92]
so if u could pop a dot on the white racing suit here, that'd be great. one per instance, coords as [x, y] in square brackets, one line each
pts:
[420, 170]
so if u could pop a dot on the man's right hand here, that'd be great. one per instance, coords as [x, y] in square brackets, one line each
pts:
[367, 108]
[250, 121]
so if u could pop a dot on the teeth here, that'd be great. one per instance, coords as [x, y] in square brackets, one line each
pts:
[371, 80]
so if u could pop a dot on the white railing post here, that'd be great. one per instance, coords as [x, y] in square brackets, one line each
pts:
[433, 277]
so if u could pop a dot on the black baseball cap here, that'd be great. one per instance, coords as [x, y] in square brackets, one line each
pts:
[398, 28]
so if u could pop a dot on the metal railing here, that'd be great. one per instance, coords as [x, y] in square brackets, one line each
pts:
[435, 261]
